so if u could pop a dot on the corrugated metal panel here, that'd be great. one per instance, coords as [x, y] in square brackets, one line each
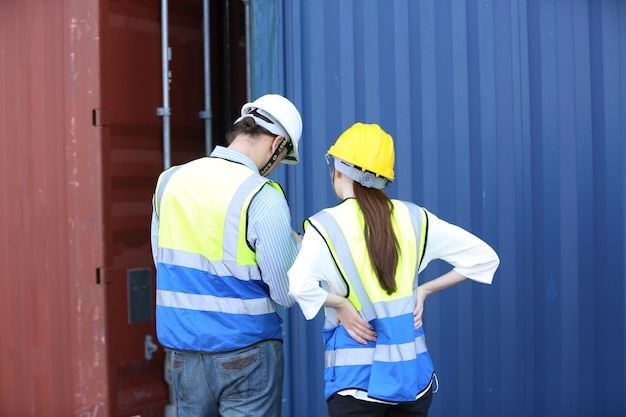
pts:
[52, 346]
[509, 121]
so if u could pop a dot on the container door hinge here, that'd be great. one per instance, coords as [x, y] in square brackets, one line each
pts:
[101, 276]
[100, 117]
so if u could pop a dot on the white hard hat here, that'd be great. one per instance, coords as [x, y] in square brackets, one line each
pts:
[285, 117]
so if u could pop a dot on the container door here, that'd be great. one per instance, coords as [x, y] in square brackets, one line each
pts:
[133, 158]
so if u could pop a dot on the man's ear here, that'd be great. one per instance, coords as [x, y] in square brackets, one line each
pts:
[276, 142]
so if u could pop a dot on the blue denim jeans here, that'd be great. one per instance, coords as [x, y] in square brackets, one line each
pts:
[246, 382]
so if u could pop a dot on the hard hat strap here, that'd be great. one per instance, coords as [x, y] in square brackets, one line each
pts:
[284, 143]
[264, 120]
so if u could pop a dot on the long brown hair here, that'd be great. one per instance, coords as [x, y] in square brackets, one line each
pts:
[382, 243]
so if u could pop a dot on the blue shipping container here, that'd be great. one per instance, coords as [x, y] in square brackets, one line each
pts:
[510, 121]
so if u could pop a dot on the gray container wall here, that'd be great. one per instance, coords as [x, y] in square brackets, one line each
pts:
[510, 121]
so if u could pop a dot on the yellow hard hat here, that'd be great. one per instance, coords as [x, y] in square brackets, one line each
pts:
[367, 147]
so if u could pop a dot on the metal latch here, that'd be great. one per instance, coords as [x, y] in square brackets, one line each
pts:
[149, 347]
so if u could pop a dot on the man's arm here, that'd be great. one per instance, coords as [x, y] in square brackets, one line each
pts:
[270, 233]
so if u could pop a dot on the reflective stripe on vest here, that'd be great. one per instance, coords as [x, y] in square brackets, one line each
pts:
[215, 304]
[210, 296]
[397, 367]
[383, 353]
[161, 184]
[197, 261]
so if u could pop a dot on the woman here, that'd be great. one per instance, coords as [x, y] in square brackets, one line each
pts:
[366, 252]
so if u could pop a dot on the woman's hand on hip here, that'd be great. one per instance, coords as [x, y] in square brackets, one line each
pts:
[358, 329]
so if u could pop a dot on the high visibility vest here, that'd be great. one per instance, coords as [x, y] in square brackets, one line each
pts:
[209, 292]
[397, 367]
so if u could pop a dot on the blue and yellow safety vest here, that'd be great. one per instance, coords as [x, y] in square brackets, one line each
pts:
[210, 295]
[397, 367]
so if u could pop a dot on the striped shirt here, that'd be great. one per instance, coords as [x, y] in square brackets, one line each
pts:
[269, 232]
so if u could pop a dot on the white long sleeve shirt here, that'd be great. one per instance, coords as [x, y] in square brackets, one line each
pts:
[469, 255]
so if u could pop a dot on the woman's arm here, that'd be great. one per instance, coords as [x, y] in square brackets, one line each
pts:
[467, 253]
[470, 256]
[428, 288]
[357, 328]
[314, 264]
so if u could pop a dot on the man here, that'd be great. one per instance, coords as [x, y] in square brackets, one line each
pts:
[222, 245]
